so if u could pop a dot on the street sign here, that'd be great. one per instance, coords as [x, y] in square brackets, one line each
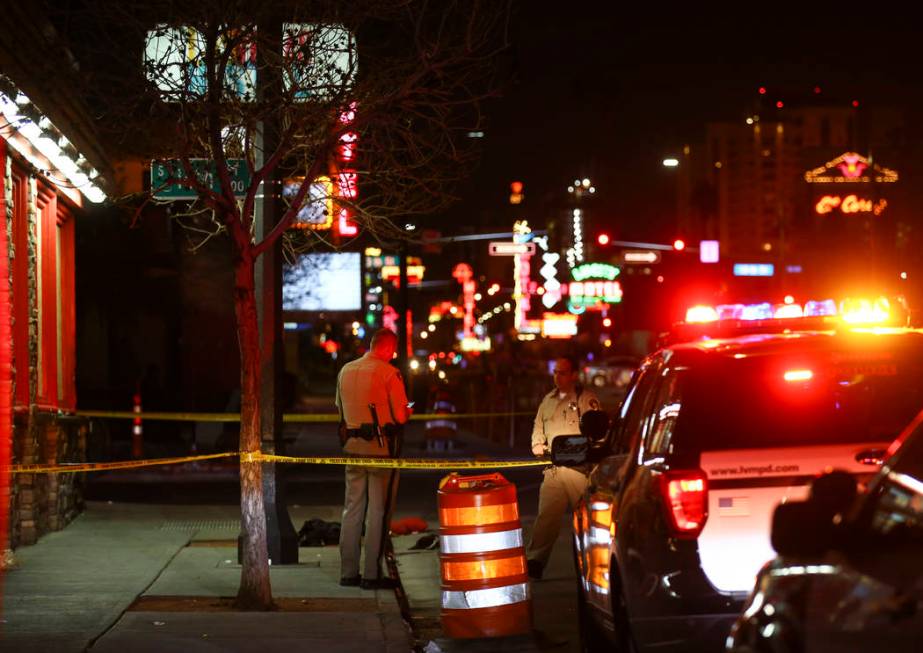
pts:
[709, 251]
[509, 248]
[165, 176]
[754, 269]
[638, 256]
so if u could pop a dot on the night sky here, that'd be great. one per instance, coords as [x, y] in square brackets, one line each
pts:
[606, 92]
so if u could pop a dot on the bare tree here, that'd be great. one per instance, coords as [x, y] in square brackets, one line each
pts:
[332, 96]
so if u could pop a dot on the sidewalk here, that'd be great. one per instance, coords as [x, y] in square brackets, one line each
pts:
[143, 577]
[154, 578]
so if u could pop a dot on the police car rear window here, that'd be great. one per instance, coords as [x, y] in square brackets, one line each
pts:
[772, 402]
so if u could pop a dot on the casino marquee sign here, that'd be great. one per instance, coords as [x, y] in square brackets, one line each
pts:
[849, 184]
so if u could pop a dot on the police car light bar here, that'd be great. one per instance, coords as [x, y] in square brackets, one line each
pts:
[700, 314]
[854, 311]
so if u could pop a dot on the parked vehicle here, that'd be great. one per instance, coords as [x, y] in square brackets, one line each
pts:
[849, 574]
[615, 372]
[674, 526]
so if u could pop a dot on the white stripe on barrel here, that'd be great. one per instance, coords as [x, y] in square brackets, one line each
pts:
[481, 542]
[486, 598]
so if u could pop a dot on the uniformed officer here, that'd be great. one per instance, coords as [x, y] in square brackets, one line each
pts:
[369, 380]
[558, 414]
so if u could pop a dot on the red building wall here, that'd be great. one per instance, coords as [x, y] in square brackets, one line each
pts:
[37, 362]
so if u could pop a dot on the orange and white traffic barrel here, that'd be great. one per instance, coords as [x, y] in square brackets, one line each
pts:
[485, 585]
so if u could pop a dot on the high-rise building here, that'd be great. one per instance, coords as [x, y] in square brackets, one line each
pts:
[745, 184]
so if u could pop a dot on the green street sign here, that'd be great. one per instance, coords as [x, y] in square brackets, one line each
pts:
[165, 176]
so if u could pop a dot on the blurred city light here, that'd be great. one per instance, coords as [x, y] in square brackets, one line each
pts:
[670, 162]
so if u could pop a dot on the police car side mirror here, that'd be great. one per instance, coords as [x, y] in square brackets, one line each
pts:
[569, 450]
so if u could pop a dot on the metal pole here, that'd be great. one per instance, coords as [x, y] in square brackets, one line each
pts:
[402, 324]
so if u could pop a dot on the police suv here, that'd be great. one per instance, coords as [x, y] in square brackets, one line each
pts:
[711, 436]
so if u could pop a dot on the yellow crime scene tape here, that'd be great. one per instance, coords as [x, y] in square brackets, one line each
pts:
[390, 463]
[289, 418]
[71, 468]
[257, 456]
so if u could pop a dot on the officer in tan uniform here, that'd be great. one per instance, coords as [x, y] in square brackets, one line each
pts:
[558, 414]
[370, 379]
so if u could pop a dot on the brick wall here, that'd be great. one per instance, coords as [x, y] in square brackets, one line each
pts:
[42, 503]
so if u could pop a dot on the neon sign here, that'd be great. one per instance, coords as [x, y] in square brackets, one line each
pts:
[392, 273]
[522, 272]
[474, 344]
[595, 271]
[463, 274]
[849, 204]
[850, 167]
[557, 325]
[575, 254]
[591, 293]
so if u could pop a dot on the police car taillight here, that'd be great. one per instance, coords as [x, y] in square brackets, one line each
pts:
[685, 497]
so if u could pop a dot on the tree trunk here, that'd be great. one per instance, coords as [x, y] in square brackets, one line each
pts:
[255, 592]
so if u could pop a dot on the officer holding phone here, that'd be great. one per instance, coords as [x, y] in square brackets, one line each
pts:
[373, 409]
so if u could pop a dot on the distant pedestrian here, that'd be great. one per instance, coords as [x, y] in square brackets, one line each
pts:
[558, 414]
[364, 382]
[440, 433]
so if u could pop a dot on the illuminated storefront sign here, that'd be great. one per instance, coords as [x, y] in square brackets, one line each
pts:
[850, 168]
[551, 287]
[849, 204]
[475, 344]
[522, 270]
[754, 269]
[595, 271]
[463, 274]
[317, 210]
[174, 60]
[393, 273]
[594, 285]
[575, 254]
[592, 293]
[559, 325]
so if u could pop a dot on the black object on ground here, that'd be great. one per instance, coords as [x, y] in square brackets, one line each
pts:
[317, 532]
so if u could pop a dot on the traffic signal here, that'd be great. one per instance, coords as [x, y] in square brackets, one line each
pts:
[679, 244]
[603, 239]
[516, 193]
